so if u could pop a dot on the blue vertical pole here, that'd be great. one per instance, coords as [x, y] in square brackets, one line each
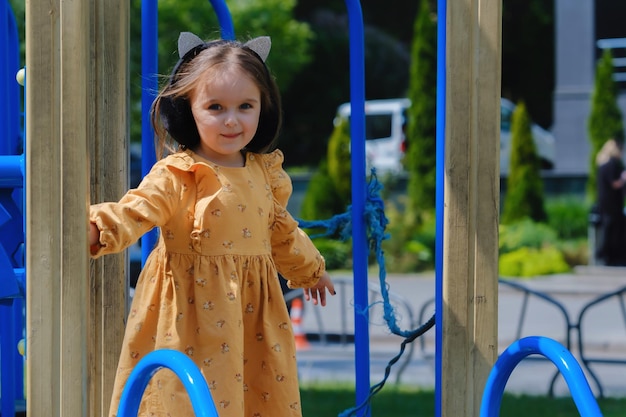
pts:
[224, 18]
[439, 193]
[149, 86]
[359, 236]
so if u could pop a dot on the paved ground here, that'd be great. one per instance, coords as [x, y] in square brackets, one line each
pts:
[602, 327]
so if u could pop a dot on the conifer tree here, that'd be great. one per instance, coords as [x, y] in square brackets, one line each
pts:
[524, 189]
[421, 116]
[329, 191]
[605, 119]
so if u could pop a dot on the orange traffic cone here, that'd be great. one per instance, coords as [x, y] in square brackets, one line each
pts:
[296, 323]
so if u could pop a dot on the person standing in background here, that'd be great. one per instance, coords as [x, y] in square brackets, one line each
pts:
[611, 250]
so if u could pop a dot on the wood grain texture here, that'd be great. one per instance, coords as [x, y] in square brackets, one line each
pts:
[471, 201]
[76, 110]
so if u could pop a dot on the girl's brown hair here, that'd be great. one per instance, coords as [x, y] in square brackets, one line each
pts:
[171, 110]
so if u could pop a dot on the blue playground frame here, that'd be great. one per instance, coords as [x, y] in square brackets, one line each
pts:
[12, 233]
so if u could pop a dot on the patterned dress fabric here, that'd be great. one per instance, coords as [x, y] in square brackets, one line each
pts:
[210, 287]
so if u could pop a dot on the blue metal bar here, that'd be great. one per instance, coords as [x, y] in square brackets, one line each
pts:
[8, 355]
[555, 352]
[149, 86]
[182, 366]
[224, 18]
[12, 171]
[359, 187]
[439, 194]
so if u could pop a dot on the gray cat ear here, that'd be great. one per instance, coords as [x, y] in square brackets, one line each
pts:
[261, 46]
[186, 42]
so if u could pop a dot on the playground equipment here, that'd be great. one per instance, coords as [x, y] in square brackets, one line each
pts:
[63, 335]
[12, 282]
[555, 352]
[183, 367]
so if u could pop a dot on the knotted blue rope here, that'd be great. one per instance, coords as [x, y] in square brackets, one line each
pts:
[375, 223]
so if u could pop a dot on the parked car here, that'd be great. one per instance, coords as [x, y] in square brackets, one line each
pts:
[385, 142]
[384, 133]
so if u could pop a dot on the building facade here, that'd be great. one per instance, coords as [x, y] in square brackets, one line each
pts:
[579, 26]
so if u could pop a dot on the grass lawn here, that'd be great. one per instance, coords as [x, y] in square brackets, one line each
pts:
[325, 400]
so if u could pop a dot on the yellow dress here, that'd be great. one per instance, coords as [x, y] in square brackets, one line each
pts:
[210, 287]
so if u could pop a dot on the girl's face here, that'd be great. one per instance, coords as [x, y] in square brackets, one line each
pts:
[226, 110]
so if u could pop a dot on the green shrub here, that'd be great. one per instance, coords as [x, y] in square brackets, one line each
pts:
[409, 248]
[526, 234]
[575, 252]
[321, 200]
[531, 262]
[336, 253]
[568, 216]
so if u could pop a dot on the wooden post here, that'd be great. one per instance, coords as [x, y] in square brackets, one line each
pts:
[470, 265]
[76, 63]
[109, 156]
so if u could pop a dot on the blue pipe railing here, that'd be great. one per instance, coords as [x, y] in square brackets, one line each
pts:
[183, 367]
[555, 352]
[442, 8]
[360, 250]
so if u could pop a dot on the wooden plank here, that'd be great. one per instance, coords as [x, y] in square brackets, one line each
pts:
[43, 199]
[57, 67]
[109, 141]
[471, 197]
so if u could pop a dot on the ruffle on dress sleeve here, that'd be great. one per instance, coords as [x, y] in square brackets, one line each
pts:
[279, 179]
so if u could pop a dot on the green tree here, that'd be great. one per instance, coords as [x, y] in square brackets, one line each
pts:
[605, 119]
[291, 39]
[420, 159]
[524, 194]
[338, 156]
[329, 190]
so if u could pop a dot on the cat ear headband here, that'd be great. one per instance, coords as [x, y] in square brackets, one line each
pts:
[189, 45]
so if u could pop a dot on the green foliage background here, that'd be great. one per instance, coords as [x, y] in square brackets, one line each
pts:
[420, 159]
[524, 195]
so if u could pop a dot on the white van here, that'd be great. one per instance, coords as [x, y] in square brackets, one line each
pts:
[385, 141]
[384, 133]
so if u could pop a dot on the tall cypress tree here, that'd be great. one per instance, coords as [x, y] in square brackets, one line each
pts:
[605, 119]
[524, 190]
[421, 116]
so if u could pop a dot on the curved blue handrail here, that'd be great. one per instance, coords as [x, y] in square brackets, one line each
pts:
[555, 352]
[182, 366]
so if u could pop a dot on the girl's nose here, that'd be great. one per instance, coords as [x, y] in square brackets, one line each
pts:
[231, 120]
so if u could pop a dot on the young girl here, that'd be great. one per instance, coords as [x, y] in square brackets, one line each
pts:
[210, 287]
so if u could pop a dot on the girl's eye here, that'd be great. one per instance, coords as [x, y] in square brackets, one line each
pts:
[215, 107]
[246, 106]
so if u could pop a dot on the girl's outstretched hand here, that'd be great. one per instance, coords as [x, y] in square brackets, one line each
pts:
[318, 291]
